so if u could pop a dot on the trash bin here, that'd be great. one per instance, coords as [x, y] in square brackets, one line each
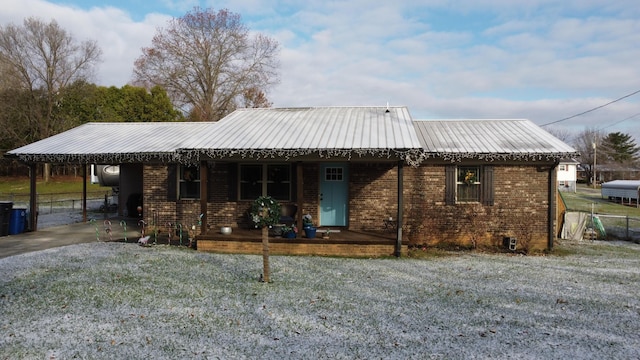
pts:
[5, 217]
[16, 225]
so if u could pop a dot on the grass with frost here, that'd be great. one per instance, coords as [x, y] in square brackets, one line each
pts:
[114, 300]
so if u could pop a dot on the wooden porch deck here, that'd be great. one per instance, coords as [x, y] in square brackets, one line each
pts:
[342, 243]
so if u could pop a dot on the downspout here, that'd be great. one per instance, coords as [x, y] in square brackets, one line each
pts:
[551, 212]
[204, 196]
[33, 203]
[400, 216]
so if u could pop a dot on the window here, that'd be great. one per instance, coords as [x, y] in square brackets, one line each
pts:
[189, 182]
[468, 184]
[562, 167]
[333, 174]
[267, 179]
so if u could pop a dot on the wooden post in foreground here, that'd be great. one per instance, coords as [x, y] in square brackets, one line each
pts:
[265, 255]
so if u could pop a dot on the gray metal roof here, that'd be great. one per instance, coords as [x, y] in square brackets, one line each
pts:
[300, 131]
[385, 132]
[629, 189]
[113, 142]
[489, 139]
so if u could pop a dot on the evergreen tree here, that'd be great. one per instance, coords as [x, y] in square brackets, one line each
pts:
[620, 148]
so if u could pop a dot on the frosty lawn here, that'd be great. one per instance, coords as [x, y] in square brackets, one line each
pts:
[114, 300]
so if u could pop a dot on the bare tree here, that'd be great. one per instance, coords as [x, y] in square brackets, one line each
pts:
[207, 61]
[560, 133]
[587, 143]
[44, 58]
[40, 59]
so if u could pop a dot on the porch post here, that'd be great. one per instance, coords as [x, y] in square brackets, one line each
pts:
[299, 194]
[84, 193]
[204, 196]
[33, 202]
[551, 213]
[400, 216]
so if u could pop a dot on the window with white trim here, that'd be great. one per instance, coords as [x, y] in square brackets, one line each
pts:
[468, 184]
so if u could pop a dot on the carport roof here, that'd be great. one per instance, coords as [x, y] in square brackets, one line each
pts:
[113, 143]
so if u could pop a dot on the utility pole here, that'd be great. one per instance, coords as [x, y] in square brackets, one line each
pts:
[595, 178]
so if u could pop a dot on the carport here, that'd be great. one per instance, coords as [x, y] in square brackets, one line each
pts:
[621, 190]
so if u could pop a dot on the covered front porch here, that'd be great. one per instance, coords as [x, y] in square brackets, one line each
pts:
[341, 242]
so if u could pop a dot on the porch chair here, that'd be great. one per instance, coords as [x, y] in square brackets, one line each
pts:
[288, 214]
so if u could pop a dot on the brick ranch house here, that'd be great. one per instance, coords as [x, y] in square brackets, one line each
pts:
[359, 170]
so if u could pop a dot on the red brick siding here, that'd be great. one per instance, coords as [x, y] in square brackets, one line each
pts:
[519, 210]
[221, 210]
[311, 190]
[373, 194]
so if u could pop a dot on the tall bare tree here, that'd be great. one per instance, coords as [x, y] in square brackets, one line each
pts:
[40, 59]
[208, 61]
[587, 144]
[561, 134]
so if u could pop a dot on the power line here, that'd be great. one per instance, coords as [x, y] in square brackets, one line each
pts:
[594, 109]
[618, 122]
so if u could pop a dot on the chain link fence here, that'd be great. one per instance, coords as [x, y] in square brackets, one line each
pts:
[613, 227]
[63, 202]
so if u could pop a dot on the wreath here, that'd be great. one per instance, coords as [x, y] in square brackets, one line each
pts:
[265, 211]
[470, 177]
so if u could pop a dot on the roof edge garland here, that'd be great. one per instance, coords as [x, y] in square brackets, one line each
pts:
[491, 157]
[413, 157]
[109, 158]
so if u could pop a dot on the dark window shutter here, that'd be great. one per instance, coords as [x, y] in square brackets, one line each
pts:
[232, 181]
[294, 182]
[487, 185]
[450, 185]
[172, 182]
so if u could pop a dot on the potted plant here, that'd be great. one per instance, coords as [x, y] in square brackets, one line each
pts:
[309, 229]
[289, 231]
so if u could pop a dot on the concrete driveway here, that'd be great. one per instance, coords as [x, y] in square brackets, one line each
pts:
[63, 235]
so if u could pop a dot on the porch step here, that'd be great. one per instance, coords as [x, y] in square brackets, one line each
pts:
[325, 230]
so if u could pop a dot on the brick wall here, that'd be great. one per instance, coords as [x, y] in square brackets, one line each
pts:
[221, 210]
[156, 203]
[300, 248]
[519, 210]
[373, 194]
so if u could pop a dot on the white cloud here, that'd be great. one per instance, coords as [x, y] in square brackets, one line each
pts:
[119, 37]
[543, 61]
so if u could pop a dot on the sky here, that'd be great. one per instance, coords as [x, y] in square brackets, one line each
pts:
[542, 60]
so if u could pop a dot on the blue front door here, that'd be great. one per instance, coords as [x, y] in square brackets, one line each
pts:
[334, 194]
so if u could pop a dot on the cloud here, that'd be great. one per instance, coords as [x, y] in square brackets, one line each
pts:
[119, 37]
[486, 58]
